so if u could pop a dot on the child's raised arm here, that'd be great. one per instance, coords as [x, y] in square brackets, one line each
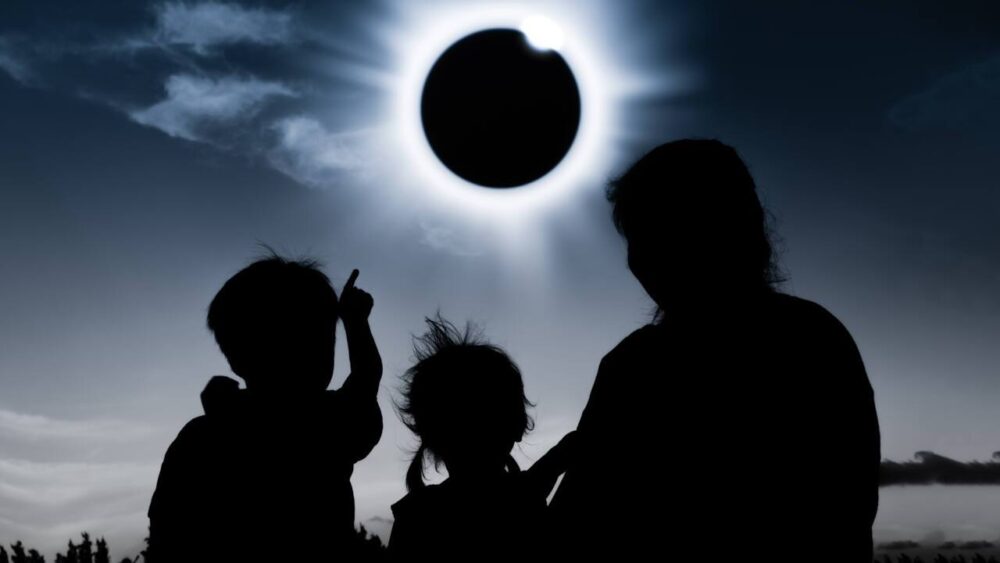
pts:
[366, 363]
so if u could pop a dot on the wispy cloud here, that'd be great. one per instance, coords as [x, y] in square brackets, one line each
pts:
[311, 154]
[59, 477]
[210, 97]
[46, 503]
[445, 239]
[195, 104]
[12, 63]
[205, 25]
[31, 427]
[60, 484]
[967, 97]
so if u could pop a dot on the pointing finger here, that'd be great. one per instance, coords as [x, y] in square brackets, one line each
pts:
[351, 280]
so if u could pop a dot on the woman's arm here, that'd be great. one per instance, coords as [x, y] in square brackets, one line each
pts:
[542, 476]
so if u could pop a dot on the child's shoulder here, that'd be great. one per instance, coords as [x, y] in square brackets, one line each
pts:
[197, 434]
[208, 436]
[191, 451]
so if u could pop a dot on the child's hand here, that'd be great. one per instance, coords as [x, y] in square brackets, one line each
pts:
[355, 304]
[366, 363]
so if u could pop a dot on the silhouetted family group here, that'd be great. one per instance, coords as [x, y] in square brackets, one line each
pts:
[740, 420]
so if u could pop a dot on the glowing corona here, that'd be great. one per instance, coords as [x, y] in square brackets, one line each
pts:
[436, 30]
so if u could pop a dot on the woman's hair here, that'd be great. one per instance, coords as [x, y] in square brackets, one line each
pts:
[461, 388]
[696, 196]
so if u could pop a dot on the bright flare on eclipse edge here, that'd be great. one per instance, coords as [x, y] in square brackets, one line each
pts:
[542, 33]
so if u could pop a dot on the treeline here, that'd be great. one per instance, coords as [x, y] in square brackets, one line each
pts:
[929, 468]
[939, 558]
[84, 552]
[370, 549]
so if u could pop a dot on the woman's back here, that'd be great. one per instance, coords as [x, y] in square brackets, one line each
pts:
[748, 424]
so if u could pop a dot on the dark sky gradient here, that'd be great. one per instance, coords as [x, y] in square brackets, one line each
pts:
[142, 162]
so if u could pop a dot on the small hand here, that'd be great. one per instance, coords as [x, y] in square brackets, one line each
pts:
[355, 304]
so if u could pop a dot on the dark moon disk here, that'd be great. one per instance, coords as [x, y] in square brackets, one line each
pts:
[498, 112]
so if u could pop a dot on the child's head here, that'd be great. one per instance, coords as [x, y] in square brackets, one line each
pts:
[464, 399]
[276, 322]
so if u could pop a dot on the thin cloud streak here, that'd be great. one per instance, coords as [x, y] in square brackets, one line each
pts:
[306, 151]
[31, 427]
[963, 99]
[210, 24]
[447, 240]
[12, 63]
[194, 104]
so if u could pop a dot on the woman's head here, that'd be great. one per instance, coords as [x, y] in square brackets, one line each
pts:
[694, 224]
[464, 399]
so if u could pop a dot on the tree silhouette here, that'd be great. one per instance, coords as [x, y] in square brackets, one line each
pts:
[370, 548]
[71, 556]
[18, 553]
[367, 548]
[102, 555]
[85, 550]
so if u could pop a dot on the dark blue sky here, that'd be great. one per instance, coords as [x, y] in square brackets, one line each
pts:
[147, 149]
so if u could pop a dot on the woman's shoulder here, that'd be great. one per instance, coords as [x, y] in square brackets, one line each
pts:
[625, 360]
[640, 339]
[812, 329]
[804, 314]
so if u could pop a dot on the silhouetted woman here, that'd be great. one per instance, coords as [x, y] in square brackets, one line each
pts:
[742, 419]
[464, 399]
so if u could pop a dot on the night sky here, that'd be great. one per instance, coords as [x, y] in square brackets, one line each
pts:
[149, 149]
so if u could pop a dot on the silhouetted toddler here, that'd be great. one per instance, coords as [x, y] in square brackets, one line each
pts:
[265, 473]
[464, 399]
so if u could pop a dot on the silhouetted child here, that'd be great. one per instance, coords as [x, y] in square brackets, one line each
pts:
[464, 399]
[265, 473]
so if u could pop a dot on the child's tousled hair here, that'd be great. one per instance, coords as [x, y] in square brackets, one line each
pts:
[264, 314]
[457, 372]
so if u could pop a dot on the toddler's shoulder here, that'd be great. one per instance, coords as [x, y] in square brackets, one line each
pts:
[417, 502]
